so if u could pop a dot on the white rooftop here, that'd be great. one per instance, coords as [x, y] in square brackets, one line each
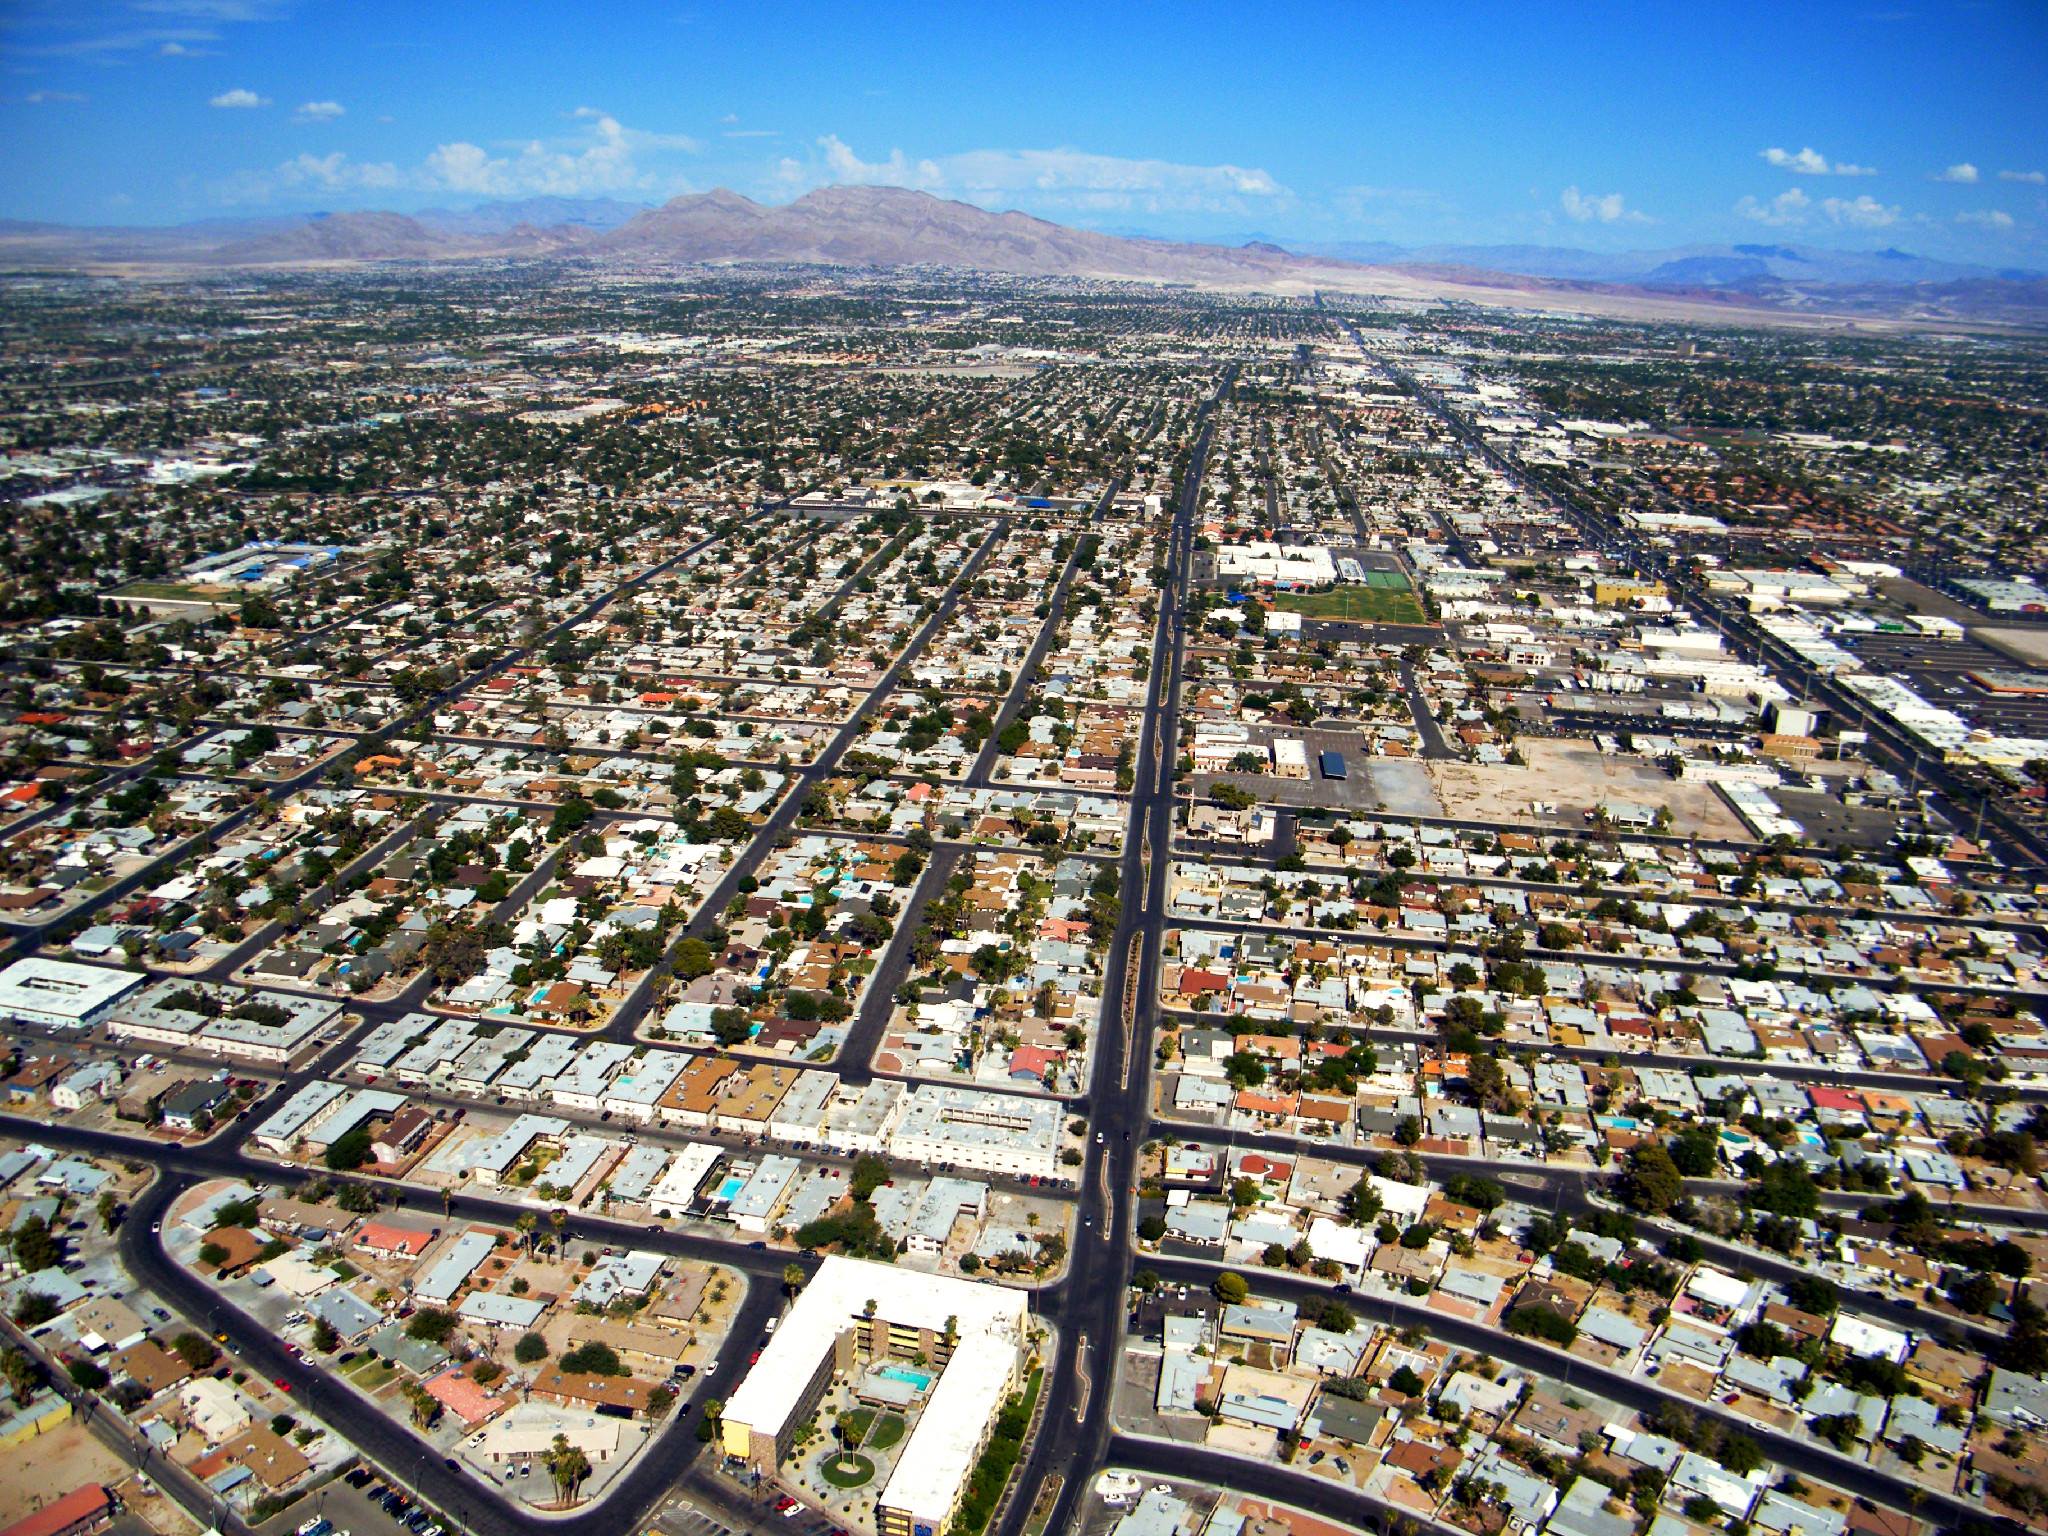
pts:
[61, 988]
[837, 1295]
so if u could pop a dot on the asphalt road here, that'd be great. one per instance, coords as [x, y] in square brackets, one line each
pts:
[1642, 1394]
[1075, 1422]
[384, 1441]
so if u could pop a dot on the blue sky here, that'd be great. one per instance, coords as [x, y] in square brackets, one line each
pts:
[1891, 122]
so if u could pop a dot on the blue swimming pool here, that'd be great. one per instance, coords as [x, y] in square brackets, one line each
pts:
[732, 1186]
[921, 1380]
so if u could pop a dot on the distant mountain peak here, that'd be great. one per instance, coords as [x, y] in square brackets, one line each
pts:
[871, 226]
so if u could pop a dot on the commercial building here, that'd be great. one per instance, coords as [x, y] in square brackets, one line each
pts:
[989, 1132]
[228, 1021]
[60, 993]
[853, 1313]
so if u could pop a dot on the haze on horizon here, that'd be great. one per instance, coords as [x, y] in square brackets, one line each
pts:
[1856, 126]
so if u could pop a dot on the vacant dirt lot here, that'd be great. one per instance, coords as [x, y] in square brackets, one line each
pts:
[54, 1464]
[1575, 777]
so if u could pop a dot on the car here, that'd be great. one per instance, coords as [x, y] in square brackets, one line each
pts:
[357, 1477]
[451, 1463]
[1098, 1138]
[784, 1504]
[526, 1469]
[1341, 1465]
[710, 1367]
[754, 1358]
[280, 1383]
[1315, 1458]
[155, 1227]
[319, 1525]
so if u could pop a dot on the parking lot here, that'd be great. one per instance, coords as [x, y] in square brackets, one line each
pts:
[1938, 670]
[352, 1509]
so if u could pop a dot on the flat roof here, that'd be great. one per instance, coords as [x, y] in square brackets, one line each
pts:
[457, 1263]
[942, 1450]
[61, 987]
[835, 1297]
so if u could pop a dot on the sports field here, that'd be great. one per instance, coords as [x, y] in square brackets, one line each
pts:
[1386, 598]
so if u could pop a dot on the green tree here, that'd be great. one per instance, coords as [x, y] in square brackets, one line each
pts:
[1651, 1182]
[568, 1466]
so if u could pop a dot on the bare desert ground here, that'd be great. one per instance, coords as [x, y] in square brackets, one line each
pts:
[1574, 776]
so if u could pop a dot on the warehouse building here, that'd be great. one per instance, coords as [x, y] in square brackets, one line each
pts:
[61, 994]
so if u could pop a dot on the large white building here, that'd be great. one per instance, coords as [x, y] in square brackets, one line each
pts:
[988, 1132]
[1280, 565]
[854, 1313]
[61, 993]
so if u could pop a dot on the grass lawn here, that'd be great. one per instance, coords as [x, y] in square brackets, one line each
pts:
[370, 1373]
[1362, 605]
[846, 1471]
[857, 1424]
[888, 1432]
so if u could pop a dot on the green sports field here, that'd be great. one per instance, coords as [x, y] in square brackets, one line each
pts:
[1386, 598]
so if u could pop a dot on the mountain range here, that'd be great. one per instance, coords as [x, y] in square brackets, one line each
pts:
[866, 226]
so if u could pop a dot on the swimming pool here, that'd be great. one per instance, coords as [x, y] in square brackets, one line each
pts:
[920, 1380]
[732, 1186]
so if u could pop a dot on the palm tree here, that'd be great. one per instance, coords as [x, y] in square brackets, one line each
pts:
[424, 1408]
[526, 1223]
[558, 1219]
[568, 1466]
[792, 1278]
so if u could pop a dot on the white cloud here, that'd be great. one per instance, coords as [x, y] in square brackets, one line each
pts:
[1811, 162]
[1962, 172]
[843, 165]
[213, 10]
[335, 172]
[178, 50]
[1788, 207]
[2031, 178]
[53, 98]
[1864, 212]
[1064, 178]
[605, 156]
[320, 111]
[1986, 218]
[1606, 208]
[239, 98]
[1807, 162]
